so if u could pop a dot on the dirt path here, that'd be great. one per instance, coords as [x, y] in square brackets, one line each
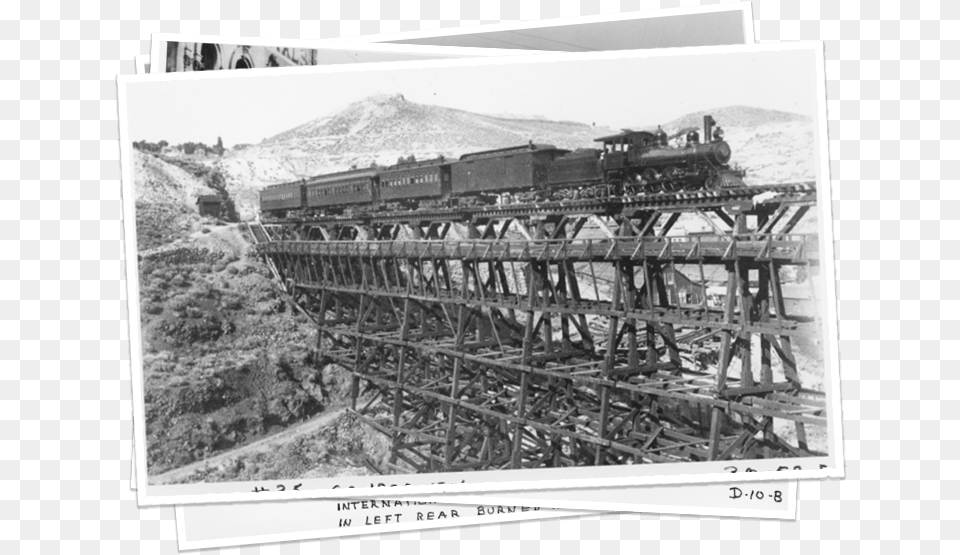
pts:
[266, 444]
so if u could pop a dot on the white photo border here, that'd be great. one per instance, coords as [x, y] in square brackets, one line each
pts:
[158, 43]
[580, 503]
[185, 519]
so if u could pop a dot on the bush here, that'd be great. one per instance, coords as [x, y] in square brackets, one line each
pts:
[233, 303]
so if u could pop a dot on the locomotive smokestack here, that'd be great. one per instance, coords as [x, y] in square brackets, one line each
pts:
[708, 123]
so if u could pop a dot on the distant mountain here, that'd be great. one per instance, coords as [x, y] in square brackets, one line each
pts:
[382, 128]
[738, 116]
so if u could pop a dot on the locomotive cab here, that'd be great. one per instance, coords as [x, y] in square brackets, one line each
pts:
[620, 149]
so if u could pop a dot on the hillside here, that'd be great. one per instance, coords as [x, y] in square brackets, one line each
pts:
[738, 116]
[157, 181]
[165, 198]
[381, 129]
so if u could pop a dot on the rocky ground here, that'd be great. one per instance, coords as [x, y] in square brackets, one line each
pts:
[226, 363]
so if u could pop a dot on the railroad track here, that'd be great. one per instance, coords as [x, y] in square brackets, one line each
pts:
[797, 193]
[786, 248]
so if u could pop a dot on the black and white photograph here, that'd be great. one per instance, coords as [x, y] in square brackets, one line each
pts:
[704, 499]
[721, 24]
[469, 275]
[195, 53]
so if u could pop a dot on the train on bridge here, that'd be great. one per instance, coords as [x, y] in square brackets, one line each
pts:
[630, 163]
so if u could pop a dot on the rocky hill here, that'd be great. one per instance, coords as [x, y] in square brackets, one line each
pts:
[380, 129]
[383, 128]
[165, 198]
[157, 181]
[738, 116]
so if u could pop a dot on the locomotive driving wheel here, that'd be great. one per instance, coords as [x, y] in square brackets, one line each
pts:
[671, 179]
[651, 180]
[632, 184]
[712, 182]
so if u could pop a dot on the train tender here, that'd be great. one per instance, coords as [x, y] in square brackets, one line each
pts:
[505, 170]
[629, 163]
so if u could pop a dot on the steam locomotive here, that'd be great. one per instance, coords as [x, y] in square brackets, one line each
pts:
[629, 163]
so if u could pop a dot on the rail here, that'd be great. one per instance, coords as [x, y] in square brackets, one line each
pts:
[796, 193]
[793, 248]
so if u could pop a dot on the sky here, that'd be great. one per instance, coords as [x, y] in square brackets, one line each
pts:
[246, 107]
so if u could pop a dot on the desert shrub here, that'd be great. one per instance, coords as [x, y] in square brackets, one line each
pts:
[179, 280]
[181, 305]
[233, 270]
[233, 303]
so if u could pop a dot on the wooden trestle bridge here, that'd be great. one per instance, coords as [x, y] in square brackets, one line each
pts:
[528, 336]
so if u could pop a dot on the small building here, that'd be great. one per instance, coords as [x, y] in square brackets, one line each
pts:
[689, 291]
[210, 205]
